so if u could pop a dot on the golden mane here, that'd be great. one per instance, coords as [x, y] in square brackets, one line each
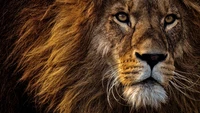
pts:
[53, 57]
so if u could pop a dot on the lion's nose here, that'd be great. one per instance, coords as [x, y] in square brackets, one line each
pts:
[151, 59]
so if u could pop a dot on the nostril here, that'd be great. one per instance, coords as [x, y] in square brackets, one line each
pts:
[152, 59]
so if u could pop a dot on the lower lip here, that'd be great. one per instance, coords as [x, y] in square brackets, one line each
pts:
[147, 82]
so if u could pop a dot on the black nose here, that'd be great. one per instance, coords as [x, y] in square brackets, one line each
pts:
[151, 59]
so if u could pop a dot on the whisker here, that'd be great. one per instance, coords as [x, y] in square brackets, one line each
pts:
[119, 94]
[106, 76]
[189, 85]
[112, 91]
[184, 86]
[188, 80]
[184, 93]
[187, 73]
[111, 83]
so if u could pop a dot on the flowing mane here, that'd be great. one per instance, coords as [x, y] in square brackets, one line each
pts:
[51, 65]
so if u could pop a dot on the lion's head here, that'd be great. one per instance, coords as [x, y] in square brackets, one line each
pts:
[108, 56]
[145, 44]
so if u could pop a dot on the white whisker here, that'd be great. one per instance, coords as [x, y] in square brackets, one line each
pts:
[187, 73]
[183, 86]
[191, 83]
[184, 93]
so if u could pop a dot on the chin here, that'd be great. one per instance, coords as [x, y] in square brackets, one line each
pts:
[145, 94]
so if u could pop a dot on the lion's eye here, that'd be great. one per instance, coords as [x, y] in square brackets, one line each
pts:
[169, 19]
[122, 17]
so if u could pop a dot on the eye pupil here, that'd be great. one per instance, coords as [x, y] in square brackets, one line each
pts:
[170, 19]
[122, 17]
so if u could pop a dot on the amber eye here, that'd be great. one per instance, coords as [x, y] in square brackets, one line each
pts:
[169, 19]
[122, 17]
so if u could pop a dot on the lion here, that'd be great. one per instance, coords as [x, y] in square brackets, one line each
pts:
[100, 56]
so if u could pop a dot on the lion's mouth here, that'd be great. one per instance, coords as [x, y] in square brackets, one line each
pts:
[147, 82]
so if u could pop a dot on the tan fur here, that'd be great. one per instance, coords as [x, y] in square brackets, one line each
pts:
[69, 52]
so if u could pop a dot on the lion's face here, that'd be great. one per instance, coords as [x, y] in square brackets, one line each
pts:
[141, 40]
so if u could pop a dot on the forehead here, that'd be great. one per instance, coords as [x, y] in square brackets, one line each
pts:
[148, 6]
